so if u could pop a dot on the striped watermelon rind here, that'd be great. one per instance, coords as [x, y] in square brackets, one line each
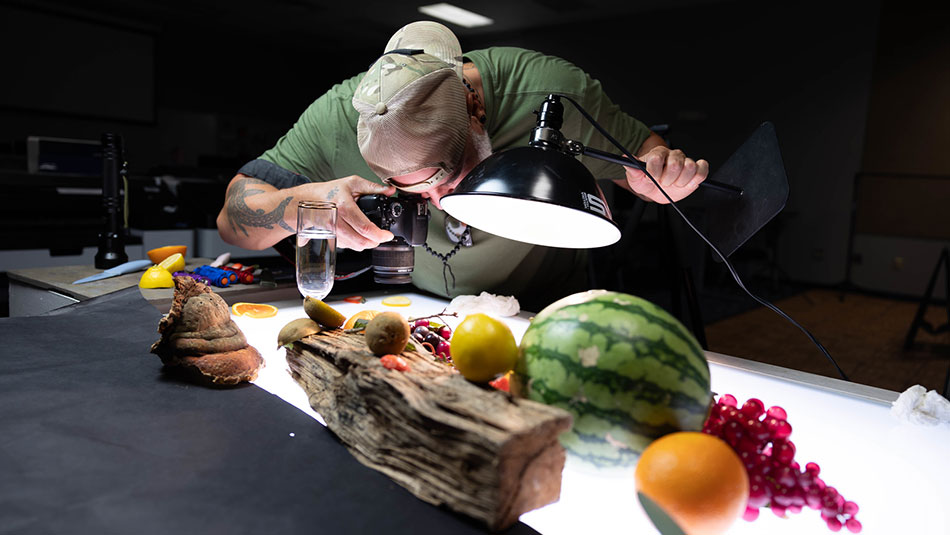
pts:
[627, 370]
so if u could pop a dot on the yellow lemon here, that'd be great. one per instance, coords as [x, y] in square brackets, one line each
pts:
[483, 348]
[397, 301]
[156, 277]
[173, 263]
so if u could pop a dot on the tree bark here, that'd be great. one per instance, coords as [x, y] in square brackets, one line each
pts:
[474, 449]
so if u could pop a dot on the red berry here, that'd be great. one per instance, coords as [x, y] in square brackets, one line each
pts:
[850, 508]
[853, 525]
[753, 408]
[834, 524]
[777, 412]
[778, 428]
[750, 514]
[394, 362]
[728, 400]
[783, 451]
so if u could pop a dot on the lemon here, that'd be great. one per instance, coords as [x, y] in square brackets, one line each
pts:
[483, 348]
[174, 262]
[156, 277]
[397, 301]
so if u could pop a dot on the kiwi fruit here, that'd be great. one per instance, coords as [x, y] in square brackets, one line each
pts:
[323, 313]
[295, 330]
[387, 333]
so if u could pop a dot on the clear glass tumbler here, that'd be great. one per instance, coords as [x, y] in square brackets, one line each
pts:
[316, 248]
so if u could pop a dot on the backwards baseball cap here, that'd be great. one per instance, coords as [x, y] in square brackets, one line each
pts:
[411, 102]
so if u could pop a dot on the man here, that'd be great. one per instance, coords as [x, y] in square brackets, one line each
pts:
[419, 120]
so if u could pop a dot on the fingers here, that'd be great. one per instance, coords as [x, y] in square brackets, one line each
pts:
[359, 186]
[677, 174]
[355, 230]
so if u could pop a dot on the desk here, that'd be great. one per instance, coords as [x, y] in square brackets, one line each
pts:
[898, 473]
[35, 291]
[97, 440]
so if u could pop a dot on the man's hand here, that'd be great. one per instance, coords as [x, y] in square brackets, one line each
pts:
[677, 174]
[256, 215]
[353, 229]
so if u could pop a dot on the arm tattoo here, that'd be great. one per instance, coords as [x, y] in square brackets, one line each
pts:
[241, 215]
[333, 193]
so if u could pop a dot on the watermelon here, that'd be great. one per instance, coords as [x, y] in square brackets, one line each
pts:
[627, 370]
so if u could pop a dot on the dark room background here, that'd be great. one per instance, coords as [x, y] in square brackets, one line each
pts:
[857, 92]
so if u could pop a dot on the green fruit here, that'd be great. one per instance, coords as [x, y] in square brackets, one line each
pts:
[323, 313]
[627, 370]
[387, 333]
[295, 330]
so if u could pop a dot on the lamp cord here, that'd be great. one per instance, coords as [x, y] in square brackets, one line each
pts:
[732, 271]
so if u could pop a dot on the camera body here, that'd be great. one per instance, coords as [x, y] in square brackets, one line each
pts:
[407, 217]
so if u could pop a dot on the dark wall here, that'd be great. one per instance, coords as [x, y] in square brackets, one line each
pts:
[715, 72]
[222, 94]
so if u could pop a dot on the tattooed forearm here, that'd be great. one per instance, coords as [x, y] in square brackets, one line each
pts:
[240, 215]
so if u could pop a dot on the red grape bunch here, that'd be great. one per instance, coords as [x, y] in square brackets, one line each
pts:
[761, 439]
[434, 337]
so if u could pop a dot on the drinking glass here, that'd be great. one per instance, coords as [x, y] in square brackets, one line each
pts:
[316, 248]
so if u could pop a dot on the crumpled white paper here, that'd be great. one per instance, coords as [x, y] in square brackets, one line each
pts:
[917, 405]
[486, 303]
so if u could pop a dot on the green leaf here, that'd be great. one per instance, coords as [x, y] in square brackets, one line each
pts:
[664, 524]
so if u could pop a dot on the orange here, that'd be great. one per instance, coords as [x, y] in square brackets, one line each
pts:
[695, 478]
[254, 310]
[483, 347]
[161, 253]
[361, 315]
[397, 301]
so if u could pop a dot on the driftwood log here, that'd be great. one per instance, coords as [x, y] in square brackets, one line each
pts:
[476, 450]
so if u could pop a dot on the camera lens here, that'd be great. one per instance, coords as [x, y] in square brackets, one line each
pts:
[393, 262]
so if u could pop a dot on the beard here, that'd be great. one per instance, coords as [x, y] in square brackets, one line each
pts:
[481, 144]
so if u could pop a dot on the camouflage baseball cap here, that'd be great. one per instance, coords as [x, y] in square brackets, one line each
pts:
[411, 102]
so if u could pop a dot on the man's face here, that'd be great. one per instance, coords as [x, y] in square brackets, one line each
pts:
[477, 149]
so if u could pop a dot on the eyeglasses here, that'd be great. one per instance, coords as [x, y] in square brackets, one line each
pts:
[423, 185]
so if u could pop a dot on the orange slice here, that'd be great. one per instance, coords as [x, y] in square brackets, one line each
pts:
[361, 315]
[254, 310]
[161, 253]
[397, 301]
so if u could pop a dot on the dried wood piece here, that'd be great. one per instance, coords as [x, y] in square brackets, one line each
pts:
[476, 450]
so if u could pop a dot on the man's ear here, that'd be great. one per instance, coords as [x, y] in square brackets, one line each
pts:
[475, 107]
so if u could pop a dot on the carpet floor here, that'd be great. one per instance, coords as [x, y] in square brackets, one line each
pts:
[864, 334]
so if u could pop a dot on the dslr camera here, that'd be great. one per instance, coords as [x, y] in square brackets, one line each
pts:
[407, 217]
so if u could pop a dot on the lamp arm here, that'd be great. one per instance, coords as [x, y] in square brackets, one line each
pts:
[637, 164]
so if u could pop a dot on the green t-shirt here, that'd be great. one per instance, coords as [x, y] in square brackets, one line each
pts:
[322, 146]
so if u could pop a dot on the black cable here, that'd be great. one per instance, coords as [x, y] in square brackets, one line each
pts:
[732, 271]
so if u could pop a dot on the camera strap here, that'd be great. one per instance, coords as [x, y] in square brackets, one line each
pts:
[446, 268]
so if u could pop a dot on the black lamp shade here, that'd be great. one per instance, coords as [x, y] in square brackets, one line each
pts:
[534, 195]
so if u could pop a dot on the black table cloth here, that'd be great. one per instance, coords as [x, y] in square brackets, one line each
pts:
[94, 438]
